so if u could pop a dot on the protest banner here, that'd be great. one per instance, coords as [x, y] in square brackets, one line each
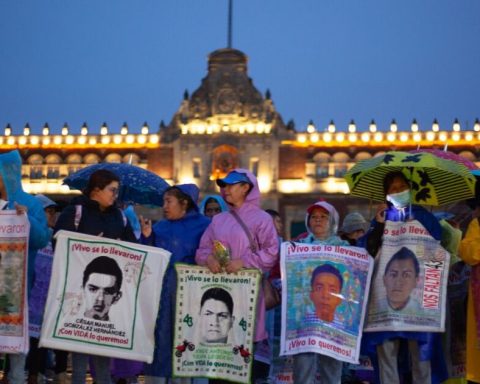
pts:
[324, 294]
[410, 281]
[215, 319]
[39, 291]
[14, 234]
[103, 297]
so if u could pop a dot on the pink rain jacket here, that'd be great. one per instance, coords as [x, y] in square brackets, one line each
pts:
[225, 228]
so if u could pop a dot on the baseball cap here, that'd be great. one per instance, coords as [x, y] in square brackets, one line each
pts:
[233, 177]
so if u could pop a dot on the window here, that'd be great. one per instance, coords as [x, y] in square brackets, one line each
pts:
[254, 163]
[196, 167]
[321, 160]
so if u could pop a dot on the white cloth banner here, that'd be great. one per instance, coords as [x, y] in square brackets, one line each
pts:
[103, 297]
[410, 282]
[14, 234]
[324, 296]
[215, 323]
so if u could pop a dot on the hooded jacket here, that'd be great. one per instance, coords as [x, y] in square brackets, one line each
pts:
[218, 199]
[225, 228]
[181, 238]
[11, 172]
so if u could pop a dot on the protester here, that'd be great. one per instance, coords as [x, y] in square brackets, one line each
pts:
[212, 205]
[12, 196]
[353, 227]
[241, 192]
[321, 221]
[179, 233]
[427, 363]
[470, 253]
[95, 213]
[37, 357]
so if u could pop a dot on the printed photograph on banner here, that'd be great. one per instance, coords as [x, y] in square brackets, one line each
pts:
[103, 296]
[325, 290]
[215, 323]
[14, 233]
[409, 282]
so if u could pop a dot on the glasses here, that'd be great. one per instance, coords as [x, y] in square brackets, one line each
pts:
[114, 190]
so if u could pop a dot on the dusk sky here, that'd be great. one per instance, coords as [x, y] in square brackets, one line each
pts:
[130, 61]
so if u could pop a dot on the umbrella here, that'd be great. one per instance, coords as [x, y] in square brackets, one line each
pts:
[137, 185]
[434, 181]
[448, 156]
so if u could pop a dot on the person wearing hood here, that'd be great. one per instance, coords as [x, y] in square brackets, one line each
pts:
[13, 197]
[240, 190]
[384, 347]
[212, 205]
[353, 227]
[95, 213]
[179, 233]
[321, 221]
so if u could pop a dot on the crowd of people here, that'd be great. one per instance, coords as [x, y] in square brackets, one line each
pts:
[253, 236]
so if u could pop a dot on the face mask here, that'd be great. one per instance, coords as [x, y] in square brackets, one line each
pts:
[399, 200]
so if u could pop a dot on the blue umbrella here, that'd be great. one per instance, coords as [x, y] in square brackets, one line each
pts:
[137, 185]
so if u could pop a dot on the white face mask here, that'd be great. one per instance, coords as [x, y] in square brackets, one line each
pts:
[399, 200]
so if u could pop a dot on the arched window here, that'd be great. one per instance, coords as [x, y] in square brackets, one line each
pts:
[91, 158]
[36, 166]
[321, 160]
[131, 158]
[53, 166]
[340, 163]
[113, 158]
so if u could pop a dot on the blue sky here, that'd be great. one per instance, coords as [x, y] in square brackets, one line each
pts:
[91, 61]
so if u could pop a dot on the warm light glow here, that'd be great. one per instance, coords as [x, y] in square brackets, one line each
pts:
[82, 140]
[327, 137]
[301, 138]
[11, 140]
[414, 126]
[145, 129]
[22, 140]
[268, 128]
[69, 139]
[200, 129]
[469, 136]
[430, 136]
[455, 136]
[117, 139]
[333, 185]
[476, 126]
[351, 127]
[130, 139]
[435, 126]
[26, 131]
[92, 140]
[310, 127]
[365, 137]
[34, 140]
[8, 131]
[293, 186]
[331, 127]
[142, 139]
[154, 139]
[104, 130]
[260, 127]
[352, 137]
[105, 140]
[65, 130]
[442, 136]
[456, 126]
[314, 137]
[184, 129]
[264, 183]
[417, 137]
[84, 131]
[57, 140]
[45, 131]
[340, 137]
[391, 136]
[378, 137]
[251, 128]
[46, 140]
[393, 126]
[210, 129]
[372, 127]
[403, 137]
[124, 130]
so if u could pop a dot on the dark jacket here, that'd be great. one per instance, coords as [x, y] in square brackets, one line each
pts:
[110, 223]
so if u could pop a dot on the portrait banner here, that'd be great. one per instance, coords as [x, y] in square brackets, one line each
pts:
[215, 318]
[14, 235]
[103, 297]
[409, 286]
[324, 297]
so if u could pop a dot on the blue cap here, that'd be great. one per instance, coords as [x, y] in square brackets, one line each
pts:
[233, 177]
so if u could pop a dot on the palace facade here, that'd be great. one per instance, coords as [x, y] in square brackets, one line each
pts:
[228, 123]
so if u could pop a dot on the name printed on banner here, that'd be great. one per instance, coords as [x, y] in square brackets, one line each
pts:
[322, 344]
[79, 247]
[432, 286]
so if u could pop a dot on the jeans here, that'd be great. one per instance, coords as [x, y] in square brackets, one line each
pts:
[388, 364]
[306, 365]
[16, 375]
[79, 368]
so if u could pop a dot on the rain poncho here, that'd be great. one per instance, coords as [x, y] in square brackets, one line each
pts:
[470, 253]
[218, 199]
[430, 347]
[227, 230]
[11, 172]
[181, 238]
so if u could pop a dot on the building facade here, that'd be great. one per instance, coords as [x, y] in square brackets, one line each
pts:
[224, 124]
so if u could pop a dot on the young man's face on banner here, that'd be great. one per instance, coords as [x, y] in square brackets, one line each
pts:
[100, 293]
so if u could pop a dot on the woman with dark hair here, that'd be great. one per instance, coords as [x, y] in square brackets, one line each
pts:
[179, 233]
[241, 192]
[95, 213]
